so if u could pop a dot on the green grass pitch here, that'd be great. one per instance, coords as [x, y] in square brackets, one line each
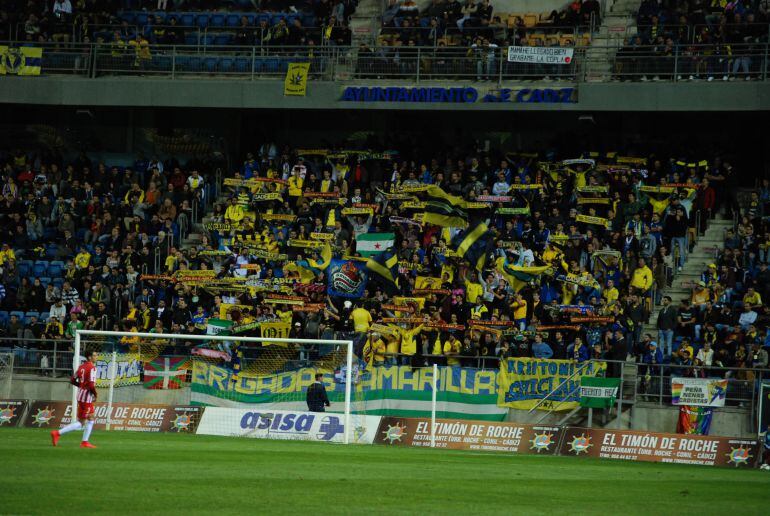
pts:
[184, 474]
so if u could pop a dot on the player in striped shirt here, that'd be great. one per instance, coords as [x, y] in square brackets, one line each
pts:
[85, 381]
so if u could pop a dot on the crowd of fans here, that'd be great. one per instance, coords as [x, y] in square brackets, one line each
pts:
[705, 39]
[454, 23]
[596, 241]
[183, 22]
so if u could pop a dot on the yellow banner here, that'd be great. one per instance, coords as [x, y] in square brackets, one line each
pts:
[601, 221]
[226, 308]
[277, 330]
[423, 282]
[357, 211]
[20, 61]
[312, 244]
[295, 83]
[523, 382]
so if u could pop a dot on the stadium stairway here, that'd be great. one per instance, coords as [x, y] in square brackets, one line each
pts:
[366, 22]
[619, 22]
[703, 253]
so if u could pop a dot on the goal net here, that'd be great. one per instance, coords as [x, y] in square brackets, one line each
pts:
[250, 386]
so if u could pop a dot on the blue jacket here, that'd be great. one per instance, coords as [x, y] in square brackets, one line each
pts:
[542, 350]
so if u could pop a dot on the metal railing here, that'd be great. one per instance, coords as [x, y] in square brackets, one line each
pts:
[408, 64]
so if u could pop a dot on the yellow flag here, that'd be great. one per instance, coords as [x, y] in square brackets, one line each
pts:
[295, 83]
[20, 61]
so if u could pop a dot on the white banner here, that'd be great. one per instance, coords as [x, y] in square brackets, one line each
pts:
[540, 55]
[598, 392]
[286, 424]
[700, 392]
[126, 369]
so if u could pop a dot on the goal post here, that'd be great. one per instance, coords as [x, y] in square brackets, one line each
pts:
[82, 335]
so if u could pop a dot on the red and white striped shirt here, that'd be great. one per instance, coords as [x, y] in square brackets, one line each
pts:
[86, 378]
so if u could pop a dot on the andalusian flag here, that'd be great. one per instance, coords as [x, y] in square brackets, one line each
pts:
[472, 243]
[20, 61]
[369, 244]
[165, 373]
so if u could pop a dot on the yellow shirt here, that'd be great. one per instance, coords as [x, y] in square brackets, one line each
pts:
[392, 345]
[234, 213]
[82, 260]
[699, 298]
[361, 320]
[610, 295]
[519, 310]
[7, 255]
[472, 291]
[756, 299]
[295, 186]
[642, 278]
[452, 347]
[379, 350]
[408, 343]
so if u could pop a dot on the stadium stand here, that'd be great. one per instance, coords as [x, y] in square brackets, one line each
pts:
[600, 239]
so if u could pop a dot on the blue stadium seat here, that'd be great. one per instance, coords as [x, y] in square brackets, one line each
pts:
[191, 38]
[291, 17]
[217, 20]
[51, 250]
[141, 19]
[276, 17]
[4, 316]
[262, 16]
[17, 313]
[161, 14]
[270, 65]
[44, 316]
[233, 20]
[202, 20]
[161, 63]
[57, 282]
[45, 280]
[55, 271]
[226, 65]
[49, 233]
[80, 234]
[25, 267]
[211, 64]
[28, 316]
[223, 39]
[207, 40]
[242, 65]
[187, 20]
[40, 268]
[128, 17]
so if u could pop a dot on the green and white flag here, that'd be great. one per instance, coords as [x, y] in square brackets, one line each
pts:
[216, 326]
[598, 392]
[369, 244]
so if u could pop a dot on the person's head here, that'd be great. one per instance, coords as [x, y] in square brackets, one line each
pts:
[319, 377]
[91, 356]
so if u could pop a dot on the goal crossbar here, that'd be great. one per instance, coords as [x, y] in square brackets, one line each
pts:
[232, 338]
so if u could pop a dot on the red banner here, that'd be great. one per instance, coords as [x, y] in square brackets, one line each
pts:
[469, 435]
[652, 447]
[125, 416]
